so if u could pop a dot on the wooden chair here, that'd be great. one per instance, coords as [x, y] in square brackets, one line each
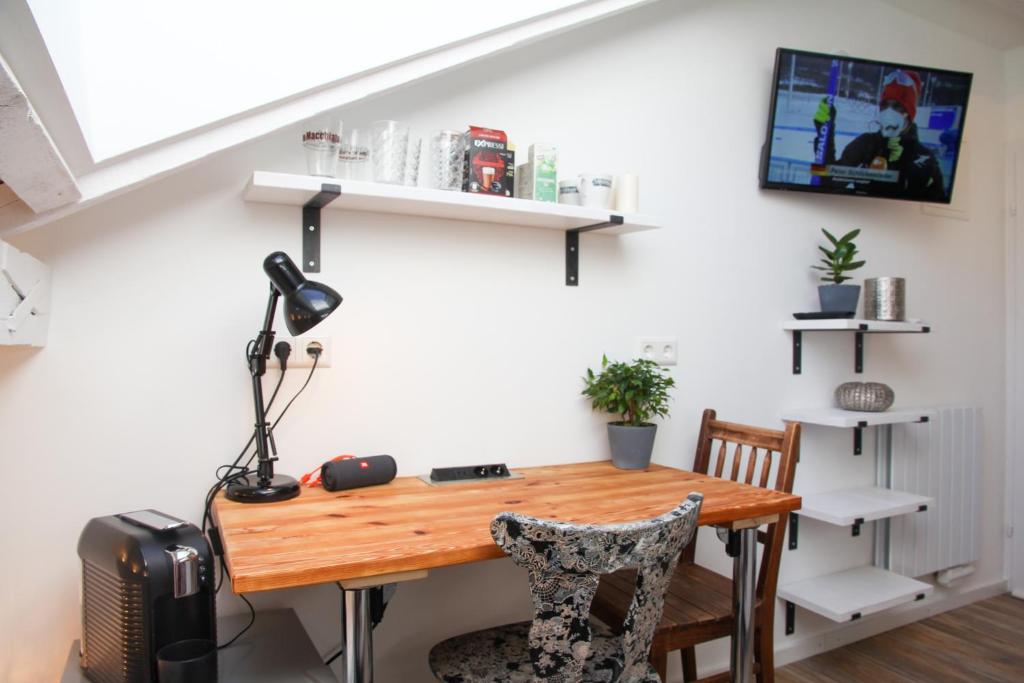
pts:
[698, 606]
[564, 563]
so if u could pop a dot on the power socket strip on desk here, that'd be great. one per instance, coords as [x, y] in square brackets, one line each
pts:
[470, 472]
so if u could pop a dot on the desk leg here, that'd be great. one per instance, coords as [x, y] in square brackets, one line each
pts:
[358, 637]
[743, 579]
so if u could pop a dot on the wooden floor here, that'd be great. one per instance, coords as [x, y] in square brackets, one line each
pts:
[978, 643]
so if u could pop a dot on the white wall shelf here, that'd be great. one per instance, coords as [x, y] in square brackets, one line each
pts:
[858, 326]
[854, 507]
[853, 593]
[854, 325]
[856, 420]
[837, 417]
[314, 193]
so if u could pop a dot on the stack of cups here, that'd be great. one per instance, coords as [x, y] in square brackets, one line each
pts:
[321, 137]
[412, 163]
[390, 146]
[446, 160]
[354, 155]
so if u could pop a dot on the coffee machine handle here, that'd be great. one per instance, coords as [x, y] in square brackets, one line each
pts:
[185, 567]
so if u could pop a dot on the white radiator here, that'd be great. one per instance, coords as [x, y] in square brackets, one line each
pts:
[940, 458]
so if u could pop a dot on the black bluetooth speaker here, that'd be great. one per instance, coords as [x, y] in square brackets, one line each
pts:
[355, 473]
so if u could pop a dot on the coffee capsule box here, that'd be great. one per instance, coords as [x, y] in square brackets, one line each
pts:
[537, 179]
[490, 163]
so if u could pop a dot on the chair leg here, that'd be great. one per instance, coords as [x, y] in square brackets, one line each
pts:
[659, 660]
[764, 651]
[689, 659]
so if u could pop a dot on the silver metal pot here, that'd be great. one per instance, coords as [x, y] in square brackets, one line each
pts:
[871, 397]
[885, 299]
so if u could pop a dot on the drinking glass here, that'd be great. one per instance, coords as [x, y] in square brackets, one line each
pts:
[354, 154]
[412, 162]
[321, 137]
[390, 144]
[446, 160]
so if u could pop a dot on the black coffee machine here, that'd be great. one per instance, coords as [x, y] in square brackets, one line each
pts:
[147, 581]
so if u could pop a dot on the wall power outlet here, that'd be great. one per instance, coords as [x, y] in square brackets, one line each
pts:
[299, 357]
[662, 350]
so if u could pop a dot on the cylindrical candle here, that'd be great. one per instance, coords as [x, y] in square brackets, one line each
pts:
[627, 193]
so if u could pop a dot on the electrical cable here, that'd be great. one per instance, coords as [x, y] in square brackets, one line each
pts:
[252, 612]
[243, 471]
[222, 480]
[341, 650]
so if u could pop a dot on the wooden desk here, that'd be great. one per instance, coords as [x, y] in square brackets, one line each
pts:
[395, 532]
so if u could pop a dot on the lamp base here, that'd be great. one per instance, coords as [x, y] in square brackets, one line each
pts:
[248, 490]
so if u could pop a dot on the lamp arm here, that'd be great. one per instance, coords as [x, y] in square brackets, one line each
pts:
[258, 367]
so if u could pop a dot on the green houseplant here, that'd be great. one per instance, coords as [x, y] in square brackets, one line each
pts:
[636, 392]
[837, 262]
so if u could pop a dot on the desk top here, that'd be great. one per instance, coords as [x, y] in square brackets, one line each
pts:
[408, 525]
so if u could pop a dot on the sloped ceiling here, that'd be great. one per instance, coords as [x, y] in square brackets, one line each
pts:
[137, 73]
[133, 91]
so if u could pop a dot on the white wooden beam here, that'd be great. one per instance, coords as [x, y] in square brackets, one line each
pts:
[24, 298]
[30, 164]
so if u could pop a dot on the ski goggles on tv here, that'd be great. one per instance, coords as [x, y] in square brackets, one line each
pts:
[900, 76]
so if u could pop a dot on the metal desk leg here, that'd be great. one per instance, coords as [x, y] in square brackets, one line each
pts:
[743, 578]
[358, 636]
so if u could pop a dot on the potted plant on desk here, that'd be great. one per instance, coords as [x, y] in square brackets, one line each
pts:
[636, 392]
[837, 297]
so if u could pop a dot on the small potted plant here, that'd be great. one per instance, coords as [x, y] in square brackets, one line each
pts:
[636, 392]
[837, 297]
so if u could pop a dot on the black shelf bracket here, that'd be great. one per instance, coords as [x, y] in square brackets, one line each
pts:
[855, 616]
[858, 352]
[572, 248]
[790, 618]
[858, 437]
[856, 526]
[794, 529]
[922, 508]
[798, 345]
[311, 225]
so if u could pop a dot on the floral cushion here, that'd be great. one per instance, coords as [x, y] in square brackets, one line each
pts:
[502, 655]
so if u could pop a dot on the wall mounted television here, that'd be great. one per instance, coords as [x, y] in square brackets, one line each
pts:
[842, 125]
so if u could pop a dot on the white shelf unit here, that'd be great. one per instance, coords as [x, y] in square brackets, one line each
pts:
[858, 326]
[856, 420]
[837, 417]
[855, 325]
[313, 193]
[853, 507]
[853, 593]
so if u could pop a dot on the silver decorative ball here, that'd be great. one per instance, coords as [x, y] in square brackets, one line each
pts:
[871, 397]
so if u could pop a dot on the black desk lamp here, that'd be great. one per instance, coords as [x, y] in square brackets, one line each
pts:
[306, 304]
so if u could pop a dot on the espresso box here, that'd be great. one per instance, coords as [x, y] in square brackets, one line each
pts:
[490, 163]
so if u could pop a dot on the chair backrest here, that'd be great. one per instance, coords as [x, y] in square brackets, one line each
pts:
[565, 563]
[748, 454]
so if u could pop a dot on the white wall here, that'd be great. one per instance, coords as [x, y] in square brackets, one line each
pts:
[458, 343]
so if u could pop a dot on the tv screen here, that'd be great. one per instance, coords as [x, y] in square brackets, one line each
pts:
[843, 125]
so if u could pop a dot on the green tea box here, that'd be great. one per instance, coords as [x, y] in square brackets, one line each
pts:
[537, 179]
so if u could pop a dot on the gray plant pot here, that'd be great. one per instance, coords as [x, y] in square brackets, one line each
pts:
[838, 298]
[631, 446]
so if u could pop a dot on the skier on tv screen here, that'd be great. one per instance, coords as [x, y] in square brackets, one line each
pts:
[894, 147]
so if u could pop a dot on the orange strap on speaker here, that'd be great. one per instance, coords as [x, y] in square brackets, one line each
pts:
[312, 482]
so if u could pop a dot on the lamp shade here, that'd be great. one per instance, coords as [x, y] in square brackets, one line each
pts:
[306, 303]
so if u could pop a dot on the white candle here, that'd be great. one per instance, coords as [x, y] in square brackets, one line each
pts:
[627, 193]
